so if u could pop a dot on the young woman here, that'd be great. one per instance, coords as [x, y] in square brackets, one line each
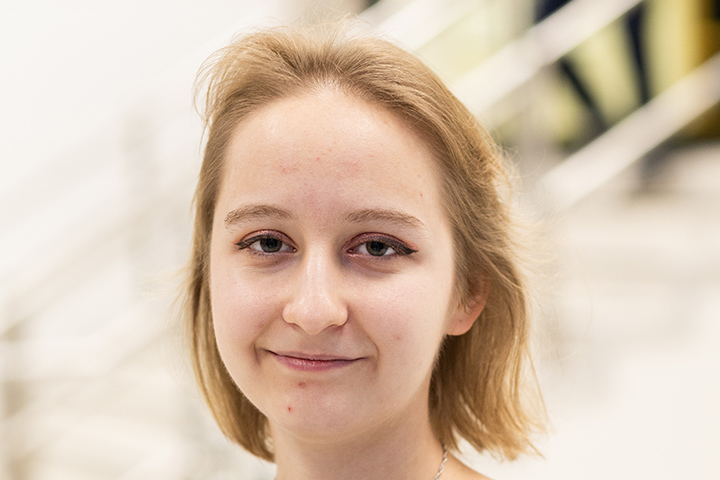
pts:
[354, 305]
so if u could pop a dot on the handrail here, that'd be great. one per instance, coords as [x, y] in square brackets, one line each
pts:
[434, 16]
[35, 294]
[545, 43]
[634, 137]
[102, 394]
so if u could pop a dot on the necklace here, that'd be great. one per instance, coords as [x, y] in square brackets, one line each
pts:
[442, 464]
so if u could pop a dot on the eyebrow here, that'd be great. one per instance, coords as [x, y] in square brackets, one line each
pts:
[391, 216]
[248, 212]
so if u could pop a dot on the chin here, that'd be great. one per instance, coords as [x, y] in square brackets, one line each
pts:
[321, 420]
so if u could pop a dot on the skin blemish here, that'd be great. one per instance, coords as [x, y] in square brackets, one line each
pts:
[289, 408]
[302, 385]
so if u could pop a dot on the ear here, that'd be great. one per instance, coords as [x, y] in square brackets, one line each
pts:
[467, 312]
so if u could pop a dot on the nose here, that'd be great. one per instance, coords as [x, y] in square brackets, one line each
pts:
[316, 301]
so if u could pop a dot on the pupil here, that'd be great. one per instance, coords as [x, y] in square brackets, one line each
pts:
[270, 245]
[376, 248]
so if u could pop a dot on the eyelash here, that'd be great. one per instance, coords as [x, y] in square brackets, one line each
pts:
[401, 250]
[247, 242]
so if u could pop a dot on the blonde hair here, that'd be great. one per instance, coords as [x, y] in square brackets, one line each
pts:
[477, 386]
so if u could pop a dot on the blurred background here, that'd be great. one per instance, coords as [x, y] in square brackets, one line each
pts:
[607, 108]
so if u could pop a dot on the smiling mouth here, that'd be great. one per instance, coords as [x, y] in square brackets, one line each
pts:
[312, 363]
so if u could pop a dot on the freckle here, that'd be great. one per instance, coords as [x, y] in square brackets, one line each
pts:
[289, 408]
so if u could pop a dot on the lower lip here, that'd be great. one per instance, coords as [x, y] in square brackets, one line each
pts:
[308, 365]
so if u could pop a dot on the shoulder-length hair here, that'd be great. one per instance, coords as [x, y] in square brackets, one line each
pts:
[477, 389]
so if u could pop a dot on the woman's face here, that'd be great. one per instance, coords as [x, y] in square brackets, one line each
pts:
[331, 270]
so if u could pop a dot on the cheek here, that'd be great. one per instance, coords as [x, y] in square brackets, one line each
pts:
[409, 320]
[241, 308]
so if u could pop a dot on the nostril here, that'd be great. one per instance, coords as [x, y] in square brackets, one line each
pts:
[315, 314]
[316, 301]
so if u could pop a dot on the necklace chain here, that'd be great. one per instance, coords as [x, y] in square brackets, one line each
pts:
[442, 464]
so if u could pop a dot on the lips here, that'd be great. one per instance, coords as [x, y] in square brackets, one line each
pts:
[312, 362]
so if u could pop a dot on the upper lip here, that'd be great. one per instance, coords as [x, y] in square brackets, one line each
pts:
[322, 357]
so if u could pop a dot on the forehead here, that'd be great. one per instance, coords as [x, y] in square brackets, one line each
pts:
[328, 136]
[326, 120]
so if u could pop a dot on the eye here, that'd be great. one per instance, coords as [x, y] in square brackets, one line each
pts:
[375, 248]
[381, 247]
[265, 243]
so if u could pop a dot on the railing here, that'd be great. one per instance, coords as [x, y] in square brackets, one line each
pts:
[435, 16]
[634, 137]
[495, 79]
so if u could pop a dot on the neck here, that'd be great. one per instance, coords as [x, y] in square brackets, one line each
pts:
[403, 452]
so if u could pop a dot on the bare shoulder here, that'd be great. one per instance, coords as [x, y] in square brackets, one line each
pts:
[457, 470]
